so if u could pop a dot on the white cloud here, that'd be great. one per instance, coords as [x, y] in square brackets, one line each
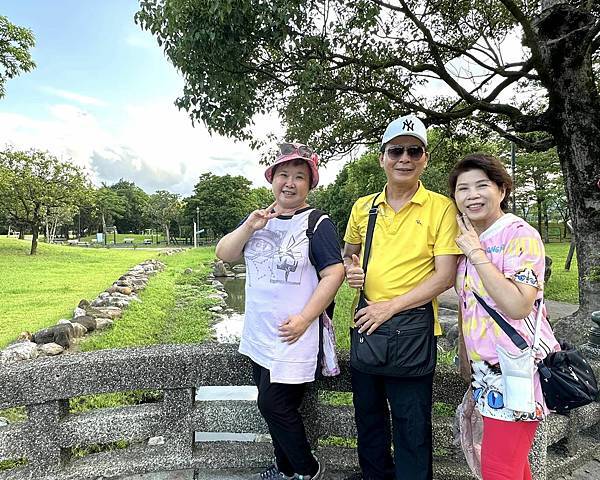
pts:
[152, 144]
[76, 97]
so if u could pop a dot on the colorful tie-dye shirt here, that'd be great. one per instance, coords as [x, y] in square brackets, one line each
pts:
[516, 249]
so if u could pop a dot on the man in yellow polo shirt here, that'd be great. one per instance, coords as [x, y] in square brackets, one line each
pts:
[412, 260]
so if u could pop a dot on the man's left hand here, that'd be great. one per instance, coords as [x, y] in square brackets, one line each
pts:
[293, 328]
[373, 315]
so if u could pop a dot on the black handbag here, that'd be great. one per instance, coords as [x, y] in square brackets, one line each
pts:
[403, 346]
[566, 377]
[568, 380]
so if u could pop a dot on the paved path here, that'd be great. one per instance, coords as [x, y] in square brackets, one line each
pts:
[556, 310]
[589, 471]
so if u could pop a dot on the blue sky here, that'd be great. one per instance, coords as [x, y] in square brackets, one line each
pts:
[102, 96]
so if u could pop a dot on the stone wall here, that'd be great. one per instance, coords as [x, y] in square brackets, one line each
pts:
[45, 438]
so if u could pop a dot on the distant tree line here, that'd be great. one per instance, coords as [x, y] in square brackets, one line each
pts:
[40, 195]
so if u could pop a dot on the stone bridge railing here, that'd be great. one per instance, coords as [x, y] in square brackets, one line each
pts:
[45, 439]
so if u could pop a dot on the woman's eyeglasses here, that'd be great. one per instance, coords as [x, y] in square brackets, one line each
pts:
[289, 148]
[395, 152]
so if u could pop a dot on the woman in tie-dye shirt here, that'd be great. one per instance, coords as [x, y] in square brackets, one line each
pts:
[504, 263]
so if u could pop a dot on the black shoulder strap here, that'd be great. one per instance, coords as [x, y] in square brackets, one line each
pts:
[504, 325]
[369, 240]
[313, 219]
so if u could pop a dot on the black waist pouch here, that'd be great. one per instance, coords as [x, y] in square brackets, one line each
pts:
[404, 346]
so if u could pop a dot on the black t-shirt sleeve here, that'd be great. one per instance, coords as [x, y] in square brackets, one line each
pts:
[325, 245]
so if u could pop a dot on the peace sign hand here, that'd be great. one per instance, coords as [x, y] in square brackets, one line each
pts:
[258, 219]
[468, 240]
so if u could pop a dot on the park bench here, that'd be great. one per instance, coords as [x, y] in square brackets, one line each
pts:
[128, 240]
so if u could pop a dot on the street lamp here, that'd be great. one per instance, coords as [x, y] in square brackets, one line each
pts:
[197, 225]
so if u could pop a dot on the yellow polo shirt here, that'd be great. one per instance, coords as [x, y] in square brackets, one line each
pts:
[404, 242]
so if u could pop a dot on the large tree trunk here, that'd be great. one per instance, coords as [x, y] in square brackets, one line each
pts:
[167, 236]
[575, 121]
[35, 227]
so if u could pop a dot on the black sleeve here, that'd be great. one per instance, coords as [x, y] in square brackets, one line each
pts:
[325, 245]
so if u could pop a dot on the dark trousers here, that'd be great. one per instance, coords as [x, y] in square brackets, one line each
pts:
[279, 405]
[410, 403]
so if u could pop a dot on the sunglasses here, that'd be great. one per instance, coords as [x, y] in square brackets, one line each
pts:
[289, 148]
[395, 152]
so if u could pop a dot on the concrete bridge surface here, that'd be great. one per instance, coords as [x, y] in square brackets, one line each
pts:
[589, 471]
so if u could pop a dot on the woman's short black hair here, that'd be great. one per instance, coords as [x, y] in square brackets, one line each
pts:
[491, 166]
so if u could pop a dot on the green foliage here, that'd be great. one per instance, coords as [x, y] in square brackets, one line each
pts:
[111, 400]
[162, 208]
[261, 197]
[539, 189]
[448, 145]
[34, 182]
[358, 178]
[38, 290]
[223, 202]
[338, 72]
[109, 206]
[10, 464]
[136, 201]
[15, 56]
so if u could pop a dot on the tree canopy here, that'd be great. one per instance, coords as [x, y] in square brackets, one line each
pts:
[222, 201]
[337, 72]
[135, 202]
[15, 57]
[162, 208]
[34, 182]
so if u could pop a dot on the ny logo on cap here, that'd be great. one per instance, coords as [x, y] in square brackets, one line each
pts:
[408, 125]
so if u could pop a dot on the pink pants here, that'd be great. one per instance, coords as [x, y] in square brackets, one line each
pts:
[505, 449]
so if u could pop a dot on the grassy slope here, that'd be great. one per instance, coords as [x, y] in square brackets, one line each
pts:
[36, 291]
[174, 307]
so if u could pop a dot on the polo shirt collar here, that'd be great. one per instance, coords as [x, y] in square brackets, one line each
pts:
[419, 197]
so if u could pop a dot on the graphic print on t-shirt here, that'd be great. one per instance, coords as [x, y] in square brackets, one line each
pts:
[273, 254]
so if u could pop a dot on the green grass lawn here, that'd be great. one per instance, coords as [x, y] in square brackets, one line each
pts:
[562, 285]
[38, 290]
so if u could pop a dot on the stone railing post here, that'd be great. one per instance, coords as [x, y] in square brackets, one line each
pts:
[538, 457]
[178, 405]
[44, 419]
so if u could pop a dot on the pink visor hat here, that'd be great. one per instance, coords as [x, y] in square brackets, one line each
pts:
[293, 151]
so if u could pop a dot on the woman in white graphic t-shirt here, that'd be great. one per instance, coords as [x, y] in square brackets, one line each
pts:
[286, 293]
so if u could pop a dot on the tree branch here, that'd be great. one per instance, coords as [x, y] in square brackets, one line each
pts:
[593, 36]
[538, 146]
[531, 38]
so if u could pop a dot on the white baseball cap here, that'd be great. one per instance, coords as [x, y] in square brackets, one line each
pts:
[407, 125]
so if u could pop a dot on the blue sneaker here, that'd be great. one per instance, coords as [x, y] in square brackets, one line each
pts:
[272, 473]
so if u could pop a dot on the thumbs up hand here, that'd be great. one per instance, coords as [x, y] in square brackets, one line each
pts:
[354, 273]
